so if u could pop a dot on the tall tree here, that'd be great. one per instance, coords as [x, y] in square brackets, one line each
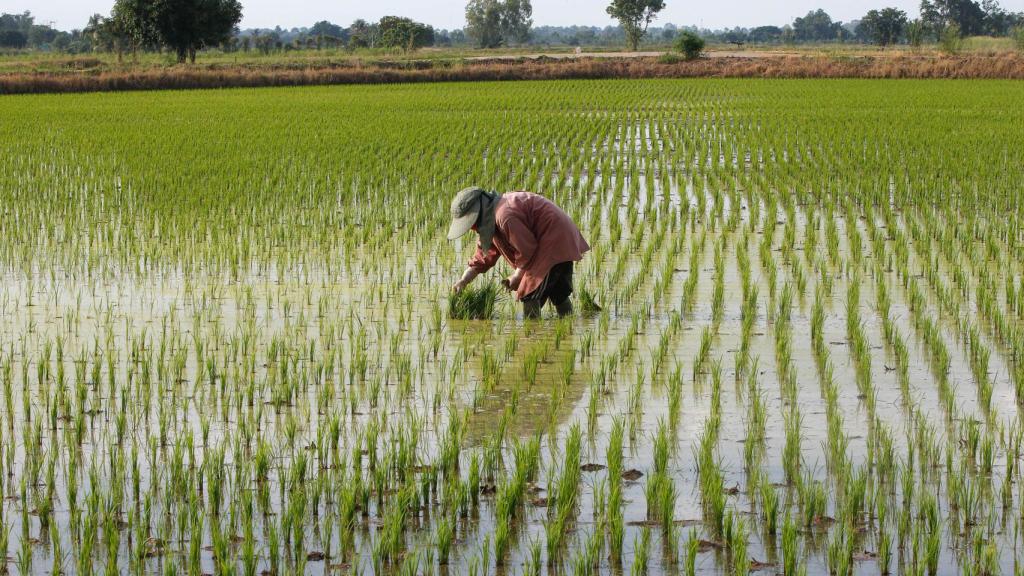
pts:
[17, 22]
[765, 34]
[13, 39]
[362, 34]
[517, 20]
[109, 34]
[190, 25]
[137, 19]
[404, 33]
[968, 15]
[931, 19]
[816, 26]
[184, 26]
[883, 27]
[493, 23]
[998, 20]
[329, 29]
[635, 16]
[916, 31]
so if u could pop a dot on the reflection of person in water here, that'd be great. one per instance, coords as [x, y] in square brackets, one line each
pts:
[537, 237]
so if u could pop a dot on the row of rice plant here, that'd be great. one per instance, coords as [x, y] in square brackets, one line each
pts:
[227, 342]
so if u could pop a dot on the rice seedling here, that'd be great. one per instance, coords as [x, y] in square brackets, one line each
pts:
[473, 303]
[235, 349]
[642, 551]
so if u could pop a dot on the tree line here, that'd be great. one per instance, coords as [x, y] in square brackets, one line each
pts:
[184, 27]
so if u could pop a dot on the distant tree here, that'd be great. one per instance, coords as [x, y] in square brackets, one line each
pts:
[967, 15]
[40, 36]
[186, 26]
[885, 26]
[493, 23]
[916, 31]
[788, 36]
[690, 44]
[109, 34]
[13, 39]
[736, 36]
[483, 23]
[325, 28]
[137, 19]
[362, 34]
[1018, 37]
[404, 33]
[951, 40]
[267, 42]
[517, 21]
[932, 20]
[457, 37]
[765, 34]
[635, 16]
[998, 20]
[18, 22]
[816, 26]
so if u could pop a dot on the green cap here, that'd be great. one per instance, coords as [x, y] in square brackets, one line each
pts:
[465, 211]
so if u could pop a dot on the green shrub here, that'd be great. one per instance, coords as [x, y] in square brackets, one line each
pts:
[690, 45]
[950, 40]
[473, 303]
[915, 33]
[669, 58]
[1018, 37]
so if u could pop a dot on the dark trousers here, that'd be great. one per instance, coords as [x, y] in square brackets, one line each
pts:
[557, 288]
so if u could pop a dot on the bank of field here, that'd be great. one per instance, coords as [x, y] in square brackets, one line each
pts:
[225, 344]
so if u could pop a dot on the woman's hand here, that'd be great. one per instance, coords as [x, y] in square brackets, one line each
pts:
[468, 276]
[512, 282]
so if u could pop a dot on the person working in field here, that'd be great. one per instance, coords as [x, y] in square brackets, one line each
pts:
[537, 237]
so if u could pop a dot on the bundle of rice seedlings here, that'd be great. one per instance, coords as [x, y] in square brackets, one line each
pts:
[473, 303]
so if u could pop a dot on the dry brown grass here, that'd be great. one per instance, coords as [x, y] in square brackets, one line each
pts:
[996, 65]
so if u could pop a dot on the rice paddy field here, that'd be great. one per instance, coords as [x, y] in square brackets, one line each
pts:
[226, 344]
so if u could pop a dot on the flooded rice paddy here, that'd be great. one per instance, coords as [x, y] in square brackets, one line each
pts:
[225, 345]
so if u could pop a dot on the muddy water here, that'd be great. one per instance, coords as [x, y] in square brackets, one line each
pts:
[393, 322]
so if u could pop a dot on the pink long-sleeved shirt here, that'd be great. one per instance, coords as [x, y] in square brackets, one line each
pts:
[534, 234]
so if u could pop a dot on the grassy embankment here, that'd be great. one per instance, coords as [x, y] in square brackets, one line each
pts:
[48, 73]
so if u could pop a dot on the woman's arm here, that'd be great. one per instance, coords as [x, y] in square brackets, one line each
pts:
[468, 276]
[512, 282]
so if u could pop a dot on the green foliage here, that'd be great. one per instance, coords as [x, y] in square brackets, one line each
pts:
[816, 26]
[184, 26]
[473, 302]
[916, 31]
[361, 34]
[967, 15]
[635, 16]
[588, 304]
[237, 339]
[404, 33]
[1018, 38]
[13, 39]
[883, 27]
[951, 40]
[493, 23]
[690, 44]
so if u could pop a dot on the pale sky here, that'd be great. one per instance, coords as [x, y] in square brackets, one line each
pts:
[449, 14]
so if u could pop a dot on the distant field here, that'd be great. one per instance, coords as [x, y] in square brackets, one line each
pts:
[28, 74]
[225, 343]
[56, 62]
